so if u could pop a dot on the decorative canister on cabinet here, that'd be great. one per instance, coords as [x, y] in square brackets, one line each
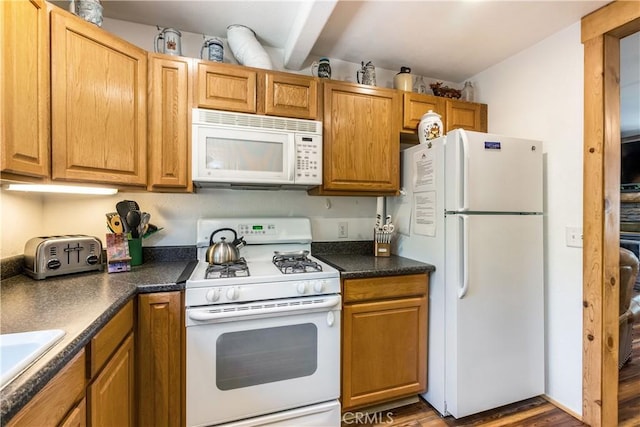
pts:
[321, 68]
[403, 79]
[430, 127]
[213, 48]
[89, 10]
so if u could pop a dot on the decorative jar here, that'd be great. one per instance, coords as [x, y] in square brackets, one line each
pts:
[430, 127]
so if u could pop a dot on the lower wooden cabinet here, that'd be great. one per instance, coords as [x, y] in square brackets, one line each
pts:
[384, 347]
[52, 404]
[111, 395]
[78, 416]
[160, 359]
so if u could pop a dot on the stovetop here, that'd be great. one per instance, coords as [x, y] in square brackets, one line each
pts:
[281, 239]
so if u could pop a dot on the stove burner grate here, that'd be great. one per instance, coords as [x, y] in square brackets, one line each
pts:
[236, 268]
[295, 262]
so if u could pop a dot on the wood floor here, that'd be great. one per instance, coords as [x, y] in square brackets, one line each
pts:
[532, 412]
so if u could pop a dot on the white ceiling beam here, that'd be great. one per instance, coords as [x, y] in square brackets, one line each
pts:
[311, 19]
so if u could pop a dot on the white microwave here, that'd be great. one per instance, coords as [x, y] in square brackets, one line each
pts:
[237, 150]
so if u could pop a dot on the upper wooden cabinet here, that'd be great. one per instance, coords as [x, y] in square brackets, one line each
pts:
[290, 95]
[169, 120]
[24, 88]
[241, 89]
[465, 115]
[226, 87]
[98, 94]
[455, 114]
[361, 140]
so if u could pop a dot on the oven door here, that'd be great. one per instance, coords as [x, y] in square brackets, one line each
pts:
[242, 156]
[252, 359]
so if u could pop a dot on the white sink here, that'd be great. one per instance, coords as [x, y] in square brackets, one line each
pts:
[19, 351]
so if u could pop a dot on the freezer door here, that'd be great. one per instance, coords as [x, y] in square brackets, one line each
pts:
[492, 173]
[494, 311]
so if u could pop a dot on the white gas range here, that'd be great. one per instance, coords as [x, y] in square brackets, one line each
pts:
[263, 334]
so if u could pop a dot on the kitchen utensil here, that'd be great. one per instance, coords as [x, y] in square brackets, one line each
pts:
[144, 223]
[222, 252]
[133, 221]
[114, 222]
[168, 41]
[367, 74]
[123, 207]
[214, 49]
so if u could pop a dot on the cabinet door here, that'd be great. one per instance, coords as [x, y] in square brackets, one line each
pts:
[384, 352]
[361, 138]
[111, 395]
[77, 417]
[465, 115]
[160, 358]
[169, 137]
[51, 404]
[226, 87]
[416, 105]
[99, 115]
[24, 88]
[289, 95]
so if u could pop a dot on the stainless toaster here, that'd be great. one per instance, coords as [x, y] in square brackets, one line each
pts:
[56, 255]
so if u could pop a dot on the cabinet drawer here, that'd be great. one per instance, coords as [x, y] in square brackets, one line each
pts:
[52, 403]
[373, 288]
[107, 340]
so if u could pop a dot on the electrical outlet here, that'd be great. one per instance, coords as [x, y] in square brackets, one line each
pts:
[574, 237]
[343, 229]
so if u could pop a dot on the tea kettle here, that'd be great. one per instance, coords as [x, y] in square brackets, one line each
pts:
[168, 41]
[223, 252]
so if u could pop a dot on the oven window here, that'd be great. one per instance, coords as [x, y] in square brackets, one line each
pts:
[260, 356]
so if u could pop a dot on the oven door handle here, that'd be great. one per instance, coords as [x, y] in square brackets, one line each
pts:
[265, 308]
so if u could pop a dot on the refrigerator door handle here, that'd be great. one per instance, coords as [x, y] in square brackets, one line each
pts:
[464, 263]
[463, 172]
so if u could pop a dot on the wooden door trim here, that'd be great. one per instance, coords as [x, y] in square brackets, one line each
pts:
[601, 32]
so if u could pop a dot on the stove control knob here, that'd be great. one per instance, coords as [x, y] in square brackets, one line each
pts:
[213, 295]
[302, 287]
[233, 293]
[318, 286]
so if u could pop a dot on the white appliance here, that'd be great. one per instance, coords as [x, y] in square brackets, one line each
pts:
[263, 333]
[473, 208]
[238, 150]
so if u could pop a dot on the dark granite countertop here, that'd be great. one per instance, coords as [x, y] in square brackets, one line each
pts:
[80, 304]
[356, 259]
[354, 266]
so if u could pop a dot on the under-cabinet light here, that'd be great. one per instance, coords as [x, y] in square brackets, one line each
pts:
[67, 189]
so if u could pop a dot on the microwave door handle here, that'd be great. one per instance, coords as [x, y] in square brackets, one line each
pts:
[293, 152]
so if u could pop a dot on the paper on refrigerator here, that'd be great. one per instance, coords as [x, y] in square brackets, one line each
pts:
[424, 194]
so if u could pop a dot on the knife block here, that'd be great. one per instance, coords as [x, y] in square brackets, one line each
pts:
[382, 249]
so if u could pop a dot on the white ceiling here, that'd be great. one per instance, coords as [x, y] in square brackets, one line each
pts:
[449, 40]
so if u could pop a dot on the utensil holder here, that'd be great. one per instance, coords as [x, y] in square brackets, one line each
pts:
[135, 250]
[382, 249]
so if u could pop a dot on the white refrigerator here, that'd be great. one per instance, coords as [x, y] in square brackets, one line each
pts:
[472, 206]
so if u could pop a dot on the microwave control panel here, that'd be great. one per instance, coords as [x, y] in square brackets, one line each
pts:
[308, 166]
